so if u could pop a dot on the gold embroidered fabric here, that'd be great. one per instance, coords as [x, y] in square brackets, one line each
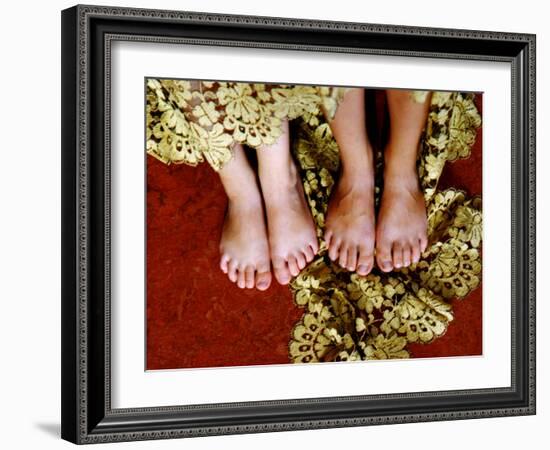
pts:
[350, 317]
[419, 96]
[192, 121]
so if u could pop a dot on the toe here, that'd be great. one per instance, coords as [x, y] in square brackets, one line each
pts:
[364, 261]
[263, 280]
[334, 249]
[241, 282]
[406, 255]
[309, 253]
[352, 258]
[263, 276]
[293, 266]
[328, 237]
[249, 277]
[232, 270]
[280, 267]
[383, 256]
[300, 259]
[224, 260]
[343, 259]
[415, 252]
[397, 255]
[423, 244]
[314, 246]
[282, 275]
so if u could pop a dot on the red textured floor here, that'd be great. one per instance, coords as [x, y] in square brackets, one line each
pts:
[197, 318]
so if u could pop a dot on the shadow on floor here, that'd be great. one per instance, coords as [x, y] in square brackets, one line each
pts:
[53, 429]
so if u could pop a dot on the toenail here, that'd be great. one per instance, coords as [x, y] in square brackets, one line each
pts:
[262, 284]
[362, 269]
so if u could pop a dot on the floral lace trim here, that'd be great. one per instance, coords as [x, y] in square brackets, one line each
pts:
[191, 121]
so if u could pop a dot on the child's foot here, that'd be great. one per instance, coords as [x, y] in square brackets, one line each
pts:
[243, 246]
[401, 230]
[349, 230]
[292, 239]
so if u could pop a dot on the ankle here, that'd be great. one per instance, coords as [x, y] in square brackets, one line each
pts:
[400, 157]
[401, 177]
[357, 176]
[279, 179]
[243, 190]
[361, 168]
[245, 201]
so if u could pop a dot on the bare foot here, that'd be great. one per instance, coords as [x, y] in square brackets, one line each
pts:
[401, 230]
[349, 225]
[243, 246]
[349, 230]
[292, 238]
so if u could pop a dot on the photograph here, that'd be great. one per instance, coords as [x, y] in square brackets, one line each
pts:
[290, 223]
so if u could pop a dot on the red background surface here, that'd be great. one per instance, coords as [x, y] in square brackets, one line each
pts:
[197, 318]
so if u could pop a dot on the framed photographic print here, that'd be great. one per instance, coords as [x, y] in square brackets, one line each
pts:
[283, 224]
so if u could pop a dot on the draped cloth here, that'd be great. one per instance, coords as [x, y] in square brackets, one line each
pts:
[193, 121]
[346, 316]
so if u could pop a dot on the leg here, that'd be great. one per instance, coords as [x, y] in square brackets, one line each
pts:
[292, 238]
[401, 233]
[244, 248]
[349, 231]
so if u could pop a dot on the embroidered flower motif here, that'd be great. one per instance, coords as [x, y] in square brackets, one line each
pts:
[420, 317]
[294, 102]
[441, 99]
[367, 291]
[381, 347]
[310, 342]
[217, 146]
[433, 166]
[451, 269]
[179, 91]
[239, 102]
[467, 226]
[419, 96]
[206, 114]
[462, 128]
